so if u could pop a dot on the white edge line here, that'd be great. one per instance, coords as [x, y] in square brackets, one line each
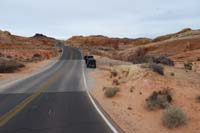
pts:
[11, 83]
[94, 104]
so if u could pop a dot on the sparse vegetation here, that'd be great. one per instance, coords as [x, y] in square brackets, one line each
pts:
[111, 91]
[160, 99]
[140, 56]
[163, 60]
[8, 66]
[115, 82]
[198, 98]
[157, 68]
[173, 117]
[131, 89]
[37, 57]
[1, 55]
[188, 65]
[172, 74]
[9, 57]
[60, 50]
[113, 73]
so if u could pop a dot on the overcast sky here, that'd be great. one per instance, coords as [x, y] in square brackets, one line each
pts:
[117, 18]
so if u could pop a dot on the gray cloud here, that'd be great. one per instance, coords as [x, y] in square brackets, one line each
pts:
[119, 18]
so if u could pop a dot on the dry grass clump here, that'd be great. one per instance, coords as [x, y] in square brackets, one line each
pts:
[159, 99]
[173, 117]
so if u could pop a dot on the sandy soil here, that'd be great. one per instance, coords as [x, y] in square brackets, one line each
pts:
[128, 109]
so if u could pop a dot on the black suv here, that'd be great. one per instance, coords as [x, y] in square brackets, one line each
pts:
[90, 61]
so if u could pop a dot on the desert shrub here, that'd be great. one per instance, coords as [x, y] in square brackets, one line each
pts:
[113, 73]
[157, 68]
[159, 99]
[140, 56]
[163, 60]
[111, 91]
[198, 98]
[140, 51]
[115, 82]
[36, 57]
[60, 50]
[131, 89]
[172, 74]
[188, 65]
[173, 117]
[9, 57]
[8, 66]
[1, 55]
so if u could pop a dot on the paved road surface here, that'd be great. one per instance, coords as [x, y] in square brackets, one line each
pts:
[54, 101]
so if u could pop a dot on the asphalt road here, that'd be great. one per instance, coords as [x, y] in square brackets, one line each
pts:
[54, 101]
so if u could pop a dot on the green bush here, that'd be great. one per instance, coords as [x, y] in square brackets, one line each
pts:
[111, 91]
[173, 117]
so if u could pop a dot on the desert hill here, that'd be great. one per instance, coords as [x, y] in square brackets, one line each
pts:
[22, 50]
[181, 47]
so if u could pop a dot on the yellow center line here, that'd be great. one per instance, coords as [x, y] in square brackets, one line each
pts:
[10, 114]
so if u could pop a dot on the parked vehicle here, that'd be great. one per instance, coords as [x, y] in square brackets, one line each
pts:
[90, 61]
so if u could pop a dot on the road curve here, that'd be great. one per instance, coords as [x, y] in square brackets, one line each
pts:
[54, 101]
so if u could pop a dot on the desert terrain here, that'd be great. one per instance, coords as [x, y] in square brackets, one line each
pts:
[147, 85]
[143, 84]
[20, 56]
